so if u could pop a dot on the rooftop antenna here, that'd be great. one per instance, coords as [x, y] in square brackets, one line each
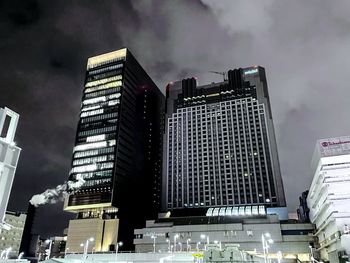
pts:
[223, 74]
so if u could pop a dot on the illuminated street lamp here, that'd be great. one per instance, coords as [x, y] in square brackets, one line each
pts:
[180, 244]
[266, 240]
[216, 242]
[8, 252]
[203, 237]
[279, 256]
[119, 244]
[198, 243]
[2, 254]
[154, 237]
[175, 237]
[48, 241]
[188, 246]
[168, 241]
[91, 239]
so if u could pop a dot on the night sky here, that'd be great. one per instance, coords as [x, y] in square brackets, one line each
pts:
[44, 46]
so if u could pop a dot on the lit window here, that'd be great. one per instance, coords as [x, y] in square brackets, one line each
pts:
[84, 168]
[91, 113]
[96, 138]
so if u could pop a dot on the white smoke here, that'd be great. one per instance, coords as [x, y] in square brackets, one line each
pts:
[52, 196]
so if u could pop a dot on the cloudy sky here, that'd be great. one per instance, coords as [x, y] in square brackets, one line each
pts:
[304, 46]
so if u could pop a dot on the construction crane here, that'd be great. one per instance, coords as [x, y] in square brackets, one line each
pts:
[223, 74]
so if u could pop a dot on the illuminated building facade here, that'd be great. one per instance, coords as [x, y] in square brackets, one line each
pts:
[220, 146]
[9, 154]
[117, 152]
[329, 197]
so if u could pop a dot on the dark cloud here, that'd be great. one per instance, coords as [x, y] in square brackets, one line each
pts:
[45, 46]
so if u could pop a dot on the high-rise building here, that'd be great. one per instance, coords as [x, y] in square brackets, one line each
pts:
[9, 154]
[220, 147]
[329, 198]
[118, 152]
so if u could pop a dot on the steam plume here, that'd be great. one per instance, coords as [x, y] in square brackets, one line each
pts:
[53, 195]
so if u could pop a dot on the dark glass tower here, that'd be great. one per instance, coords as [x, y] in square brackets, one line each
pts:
[118, 147]
[220, 147]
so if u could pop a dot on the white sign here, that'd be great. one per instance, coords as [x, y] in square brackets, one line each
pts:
[334, 146]
[251, 71]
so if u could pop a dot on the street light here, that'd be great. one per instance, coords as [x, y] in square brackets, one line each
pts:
[20, 255]
[180, 244]
[91, 239]
[119, 244]
[198, 243]
[175, 237]
[203, 237]
[168, 241]
[279, 256]
[216, 242]
[2, 254]
[8, 252]
[154, 243]
[188, 245]
[266, 240]
[48, 241]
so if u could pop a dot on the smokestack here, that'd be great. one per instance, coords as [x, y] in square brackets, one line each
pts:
[27, 246]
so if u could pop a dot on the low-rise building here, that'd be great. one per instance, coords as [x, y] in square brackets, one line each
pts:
[197, 233]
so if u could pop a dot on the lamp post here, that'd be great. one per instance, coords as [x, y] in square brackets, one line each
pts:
[203, 237]
[188, 246]
[119, 244]
[266, 240]
[175, 237]
[180, 244]
[198, 243]
[279, 256]
[168, 241]
[48, 241]
[8, 252]
[91, 239]
[154, 243]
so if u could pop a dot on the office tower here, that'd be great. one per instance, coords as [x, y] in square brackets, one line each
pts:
[117, 152]
[329, 197]
[9, 154]
[220, 147]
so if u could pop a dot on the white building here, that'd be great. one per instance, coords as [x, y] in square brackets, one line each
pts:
[196, 233]
[329, 197]
[9, 154]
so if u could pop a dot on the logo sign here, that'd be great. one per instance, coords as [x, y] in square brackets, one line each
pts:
[326, 144]
[251, 71]
[335, 146]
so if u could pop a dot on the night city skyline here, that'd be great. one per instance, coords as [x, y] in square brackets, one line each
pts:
[45, 46]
